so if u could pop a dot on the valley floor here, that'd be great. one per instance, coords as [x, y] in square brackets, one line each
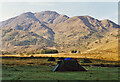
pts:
[42, 72]
[38, 69]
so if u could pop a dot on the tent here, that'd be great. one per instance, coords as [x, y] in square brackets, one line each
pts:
[75, 59]
[68, 59]
[81, 61]
[32, 56]
[51, 59]
[68, 65]
[87, 61]
[61, 58]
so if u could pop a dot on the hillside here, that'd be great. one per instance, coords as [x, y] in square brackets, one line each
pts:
[80, 31]
[51, 30]
[14, 39]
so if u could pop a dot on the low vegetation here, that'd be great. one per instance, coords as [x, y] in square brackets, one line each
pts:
[38, 69]
[49, 51]
[31, 52]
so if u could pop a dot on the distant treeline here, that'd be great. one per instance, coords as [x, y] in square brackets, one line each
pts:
[49, 51]
[32, 52]
[44, 52]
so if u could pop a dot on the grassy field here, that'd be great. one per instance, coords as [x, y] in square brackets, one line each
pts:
[42, 72]
[38, 69]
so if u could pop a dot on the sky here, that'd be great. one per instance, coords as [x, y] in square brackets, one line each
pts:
[98, 10]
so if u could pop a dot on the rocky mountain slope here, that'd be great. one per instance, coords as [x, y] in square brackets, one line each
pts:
[48, 29]
[80, 31]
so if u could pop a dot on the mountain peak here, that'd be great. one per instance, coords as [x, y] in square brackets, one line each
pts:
[27, 13]
[86, 16]
[47, 16]
[49, 12]
[64, 15]
[81, 17]
[107, 21]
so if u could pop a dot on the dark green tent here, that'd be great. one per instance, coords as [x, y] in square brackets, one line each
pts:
[87, 61]
[61, 58]
[68, 65]
[51, 59]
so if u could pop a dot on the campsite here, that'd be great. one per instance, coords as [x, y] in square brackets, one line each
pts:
[38, 68]
[59, 41]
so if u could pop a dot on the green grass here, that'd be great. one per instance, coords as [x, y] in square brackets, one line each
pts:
[38, 69]
[42, 72]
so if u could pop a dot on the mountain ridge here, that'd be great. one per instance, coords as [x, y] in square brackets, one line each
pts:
[67, 33]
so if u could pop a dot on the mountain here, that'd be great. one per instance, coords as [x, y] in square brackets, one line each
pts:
[28, 22]
[51, 17]
[35, 22]
[80, 31]
[13, 38]
[49, 29]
